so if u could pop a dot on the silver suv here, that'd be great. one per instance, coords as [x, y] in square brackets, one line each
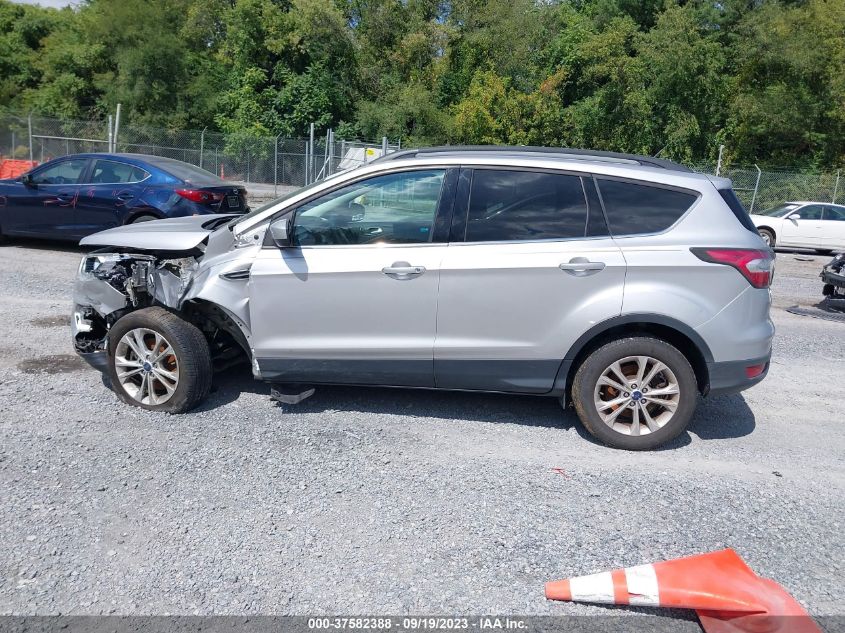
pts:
[623, 285]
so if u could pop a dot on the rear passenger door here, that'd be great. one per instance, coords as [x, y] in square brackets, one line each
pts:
[530, 267]
[113, 189]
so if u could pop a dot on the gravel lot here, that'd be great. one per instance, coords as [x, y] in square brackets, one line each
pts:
[391, 501]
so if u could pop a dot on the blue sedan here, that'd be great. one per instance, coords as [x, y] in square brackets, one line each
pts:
[74, 196]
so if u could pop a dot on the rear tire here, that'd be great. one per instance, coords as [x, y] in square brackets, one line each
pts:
[143, 218]
[768, 237]
[158, 361]
[634, 416]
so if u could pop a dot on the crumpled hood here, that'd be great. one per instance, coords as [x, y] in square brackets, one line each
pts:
[173, 234]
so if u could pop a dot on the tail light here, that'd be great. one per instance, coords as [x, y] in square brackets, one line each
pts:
[198, 195]
[756, 265]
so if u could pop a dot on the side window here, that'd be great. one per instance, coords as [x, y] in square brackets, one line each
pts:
[66, 172]
[391, 209]
[524, 205]
[113, 173]
[837, 214]
[633, 209]
[811, 212]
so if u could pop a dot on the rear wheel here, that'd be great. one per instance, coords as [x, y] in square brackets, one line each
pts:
[159, 362]
[635, 393]
[768, 237]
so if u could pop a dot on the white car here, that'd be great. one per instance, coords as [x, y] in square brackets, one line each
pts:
[818, 225]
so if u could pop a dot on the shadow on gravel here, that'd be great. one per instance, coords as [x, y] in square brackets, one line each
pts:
[716, 418]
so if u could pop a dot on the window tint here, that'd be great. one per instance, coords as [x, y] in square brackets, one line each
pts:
[111, 172]
[392, 209]
[633, 209]
[185, 171]
[811, 212]
[739, 211]
[66, 172]
[834, 213]
[523, 205]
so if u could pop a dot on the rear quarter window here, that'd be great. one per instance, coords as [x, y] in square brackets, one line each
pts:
[634, 209]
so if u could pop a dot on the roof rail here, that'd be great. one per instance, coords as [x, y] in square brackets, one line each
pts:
[559, 152]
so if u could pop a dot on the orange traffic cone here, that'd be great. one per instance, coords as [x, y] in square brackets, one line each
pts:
[727, 595]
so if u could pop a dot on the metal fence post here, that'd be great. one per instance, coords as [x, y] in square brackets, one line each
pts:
[756, 187]
[311, 158]
[276, 166]
[836, 185]
[116, 128]
[384, 146]
[719, 161]
[202, 144]
[29, 125]
[111, 137]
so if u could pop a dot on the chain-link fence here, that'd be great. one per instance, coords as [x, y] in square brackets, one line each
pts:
[271, 165]
[268, 164]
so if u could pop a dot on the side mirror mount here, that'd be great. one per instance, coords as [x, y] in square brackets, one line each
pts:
[27, 181]
[280, 232]
[793, 216]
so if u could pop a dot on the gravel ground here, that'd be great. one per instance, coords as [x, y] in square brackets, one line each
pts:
[391, 501]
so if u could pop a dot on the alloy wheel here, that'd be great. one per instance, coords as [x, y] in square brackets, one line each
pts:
[146, 366]
[637, 395]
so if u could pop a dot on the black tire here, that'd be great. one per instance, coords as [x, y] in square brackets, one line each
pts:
[143, 218]
[191, 353]
[586, 379]
[768, 237]
[824, 251]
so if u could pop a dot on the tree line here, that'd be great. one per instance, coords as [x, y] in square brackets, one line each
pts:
[660, 77]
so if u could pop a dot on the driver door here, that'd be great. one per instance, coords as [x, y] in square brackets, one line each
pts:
[45, 206]
[805, 231]
[354, 300]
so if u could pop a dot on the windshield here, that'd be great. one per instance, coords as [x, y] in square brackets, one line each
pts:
[778, 211]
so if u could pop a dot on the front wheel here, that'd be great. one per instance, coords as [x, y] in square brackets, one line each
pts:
[635, 393]
[768, 237]
[159, 362]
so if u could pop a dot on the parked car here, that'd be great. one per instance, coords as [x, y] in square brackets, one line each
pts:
[817, 225]
[623, 285]
[74, 196]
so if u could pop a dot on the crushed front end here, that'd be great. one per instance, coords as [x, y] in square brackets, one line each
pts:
[111, 284]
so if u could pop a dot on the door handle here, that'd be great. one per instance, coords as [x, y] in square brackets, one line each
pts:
[402, 270]
[125, 196]
[581, 267]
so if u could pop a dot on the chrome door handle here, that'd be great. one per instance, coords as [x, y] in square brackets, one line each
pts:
[581, 267]
[402, 270]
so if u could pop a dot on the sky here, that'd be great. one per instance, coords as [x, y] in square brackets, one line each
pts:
[49, 3]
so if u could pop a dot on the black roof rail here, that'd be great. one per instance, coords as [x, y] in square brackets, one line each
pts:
[560, 152]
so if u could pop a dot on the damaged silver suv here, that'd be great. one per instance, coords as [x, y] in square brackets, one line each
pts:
[623, 285]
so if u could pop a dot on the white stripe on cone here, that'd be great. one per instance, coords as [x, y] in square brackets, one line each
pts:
[642, 585]
[593, 588]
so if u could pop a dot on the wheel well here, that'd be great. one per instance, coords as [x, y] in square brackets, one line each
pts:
[664, 332]
[137, 213]
[769, 229]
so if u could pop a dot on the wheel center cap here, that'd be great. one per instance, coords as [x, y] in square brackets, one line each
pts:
[147, 367]
[636, 395]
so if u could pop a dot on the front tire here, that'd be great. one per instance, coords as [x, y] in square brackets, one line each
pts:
[158, 361]
[635, 393]
[768, 237]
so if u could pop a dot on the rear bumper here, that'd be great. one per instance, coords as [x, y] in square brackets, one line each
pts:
[729, 377]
